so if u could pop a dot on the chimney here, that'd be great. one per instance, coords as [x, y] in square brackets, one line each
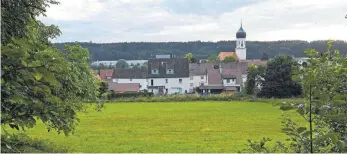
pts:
[220, 68]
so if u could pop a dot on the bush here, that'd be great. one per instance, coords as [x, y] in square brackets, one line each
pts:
[181, 98]
[130, 95]
[21, 143]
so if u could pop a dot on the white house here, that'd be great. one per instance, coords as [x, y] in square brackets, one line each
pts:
[131, 75]
[168, 76]
[196, 80]
[197, 75]
[168, 85]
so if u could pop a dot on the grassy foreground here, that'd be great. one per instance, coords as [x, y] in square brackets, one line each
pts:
[170, 127]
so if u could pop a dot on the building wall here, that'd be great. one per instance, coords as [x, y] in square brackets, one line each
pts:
[231, 83]
[195, 81]
[241, 53]
[142, 82]
[244, 80]
[171, 85]
[241, 49]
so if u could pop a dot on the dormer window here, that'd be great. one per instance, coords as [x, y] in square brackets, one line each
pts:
[169, 71]
[155, 71]
[216, 66]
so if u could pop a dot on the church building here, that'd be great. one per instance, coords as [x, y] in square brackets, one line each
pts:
[240, 51]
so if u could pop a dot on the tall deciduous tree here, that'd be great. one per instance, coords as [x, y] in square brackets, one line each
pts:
[38, 81]
[16, 16]
[188, 55]
[324, 84]
[122, 64]
[255, 75]
[278, 81]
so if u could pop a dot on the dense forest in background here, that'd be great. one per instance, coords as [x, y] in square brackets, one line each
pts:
[201, 50]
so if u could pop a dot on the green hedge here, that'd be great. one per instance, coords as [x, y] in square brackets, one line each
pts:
[130, 95]
[181, 98]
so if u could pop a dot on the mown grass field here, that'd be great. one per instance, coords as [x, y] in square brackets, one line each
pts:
[170, 127]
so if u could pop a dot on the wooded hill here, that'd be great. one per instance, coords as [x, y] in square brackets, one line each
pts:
[201, 50]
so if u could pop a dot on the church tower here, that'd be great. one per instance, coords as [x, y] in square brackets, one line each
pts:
[241, 49]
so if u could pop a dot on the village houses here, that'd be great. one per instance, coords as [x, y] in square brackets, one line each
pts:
[168, 74]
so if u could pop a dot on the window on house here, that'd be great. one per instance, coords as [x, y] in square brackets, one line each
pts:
[152, 83]
[180, 80]
[169, 71]
[201, 84]
[216, 66]
[166, 81]
[202, 77]
[154, 71]
[108, 77]
[191, 77]
[191, 84]
[228, 80]
[131, 79]
[233, 80]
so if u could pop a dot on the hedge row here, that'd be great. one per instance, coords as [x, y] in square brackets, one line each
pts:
[130, 95]
[181, 98]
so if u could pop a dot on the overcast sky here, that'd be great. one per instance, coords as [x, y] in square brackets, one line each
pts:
[190, 20]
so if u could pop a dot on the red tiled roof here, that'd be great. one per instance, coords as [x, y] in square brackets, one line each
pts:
[124, 87]
[223, 55]
[106, 73]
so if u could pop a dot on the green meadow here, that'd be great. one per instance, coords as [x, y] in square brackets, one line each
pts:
[170, 127]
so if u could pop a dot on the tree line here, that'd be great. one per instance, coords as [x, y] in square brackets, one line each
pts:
[200, 50]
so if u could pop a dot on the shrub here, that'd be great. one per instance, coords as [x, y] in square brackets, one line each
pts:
[21, 143]
[130, 95]
[180, 98]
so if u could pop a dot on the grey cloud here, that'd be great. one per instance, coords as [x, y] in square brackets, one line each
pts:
[164, 20]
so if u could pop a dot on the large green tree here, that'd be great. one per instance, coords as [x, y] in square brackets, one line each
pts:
[42, 82]
[16, 15]
[122, 64]
[255, 75]
[278, 81]
[324, 84]
[38, 81]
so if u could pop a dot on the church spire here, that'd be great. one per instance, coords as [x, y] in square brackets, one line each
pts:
[241, 22]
